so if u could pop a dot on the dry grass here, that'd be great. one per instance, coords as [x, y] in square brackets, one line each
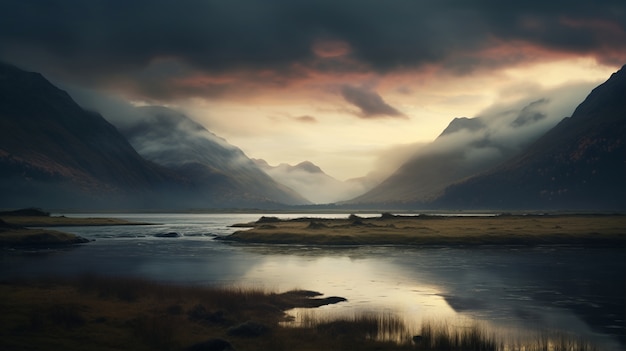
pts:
[433, 230]
[62, 221]
[14, 231]
[14, 237]
[98, 313]
[133, 314]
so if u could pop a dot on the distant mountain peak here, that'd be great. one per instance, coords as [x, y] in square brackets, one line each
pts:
[305, 166]
[260, 163]
[310, 180]
[309, 167]
[463, 123]
[578, 164]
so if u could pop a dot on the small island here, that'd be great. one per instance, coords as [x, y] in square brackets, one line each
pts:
[421, 230]
[28, 228]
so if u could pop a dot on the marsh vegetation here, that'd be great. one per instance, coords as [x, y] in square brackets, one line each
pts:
[388, 229]
[120, 313]
[29, 228]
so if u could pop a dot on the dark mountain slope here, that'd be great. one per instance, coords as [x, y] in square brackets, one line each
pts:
[579, 164]
[53, 152]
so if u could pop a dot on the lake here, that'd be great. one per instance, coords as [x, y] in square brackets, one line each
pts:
[515, 290]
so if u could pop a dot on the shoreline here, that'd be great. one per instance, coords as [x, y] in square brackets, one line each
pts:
[129, 313]
[132, 313]
[29, 230]
[427, 230]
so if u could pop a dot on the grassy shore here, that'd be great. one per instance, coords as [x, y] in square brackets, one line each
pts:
[588, 230]
[98, 313]
[19, 228]
[25, 237]
[33, 217]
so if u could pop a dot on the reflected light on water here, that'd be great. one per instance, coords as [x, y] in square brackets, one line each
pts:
[379, 288]
[509, 290]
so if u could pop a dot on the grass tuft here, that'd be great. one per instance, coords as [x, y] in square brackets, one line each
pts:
[123, 313]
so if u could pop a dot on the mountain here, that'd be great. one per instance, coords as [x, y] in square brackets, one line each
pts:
[310, 180]
[171, 139]
[467, 146]
[53, 153]
[470, 146]
[579, 164]
[463, 123]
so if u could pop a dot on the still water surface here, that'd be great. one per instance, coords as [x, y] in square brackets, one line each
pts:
[577, 290]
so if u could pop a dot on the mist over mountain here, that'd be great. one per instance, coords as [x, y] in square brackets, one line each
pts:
[54, 153]
[171, 139]
[313, 183]
[469, 146]
[578, 164]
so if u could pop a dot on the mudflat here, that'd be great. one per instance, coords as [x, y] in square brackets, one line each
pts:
[388, 229]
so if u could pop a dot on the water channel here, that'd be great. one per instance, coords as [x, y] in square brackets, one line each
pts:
[577, 290]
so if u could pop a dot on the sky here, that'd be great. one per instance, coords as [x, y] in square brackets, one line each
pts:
[343, 84]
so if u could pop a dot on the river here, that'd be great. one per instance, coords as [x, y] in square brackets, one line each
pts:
[512, 289]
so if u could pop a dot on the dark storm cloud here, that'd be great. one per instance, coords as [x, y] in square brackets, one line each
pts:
[370, 104]
[101, 40]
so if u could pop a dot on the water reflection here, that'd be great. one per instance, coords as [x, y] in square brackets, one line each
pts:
[511, 289]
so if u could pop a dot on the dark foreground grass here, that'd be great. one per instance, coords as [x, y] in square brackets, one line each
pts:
[97, 313]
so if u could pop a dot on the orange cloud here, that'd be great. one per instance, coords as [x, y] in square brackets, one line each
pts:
[331, 48]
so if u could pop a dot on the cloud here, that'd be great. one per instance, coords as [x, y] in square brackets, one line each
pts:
[505, 128]
[156, 131]
[279, 41]
[469, 145]
[391, 158]
[305, 119]
[530, 113]
[370, 104]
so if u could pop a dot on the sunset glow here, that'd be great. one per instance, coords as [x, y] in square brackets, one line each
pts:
[335, 84]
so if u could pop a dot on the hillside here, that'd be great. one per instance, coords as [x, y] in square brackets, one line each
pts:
[54, 153]
[579, 164]
[466, 147]
[211, 164]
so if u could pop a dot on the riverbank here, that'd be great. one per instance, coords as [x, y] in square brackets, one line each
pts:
[133, 314]
[421, 230]
[25, 228]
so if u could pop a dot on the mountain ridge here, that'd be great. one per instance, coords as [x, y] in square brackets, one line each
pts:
[426, 179]
[578, 164]
[77, 150]
[312, 182]
[54, 153]
[172, 139]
